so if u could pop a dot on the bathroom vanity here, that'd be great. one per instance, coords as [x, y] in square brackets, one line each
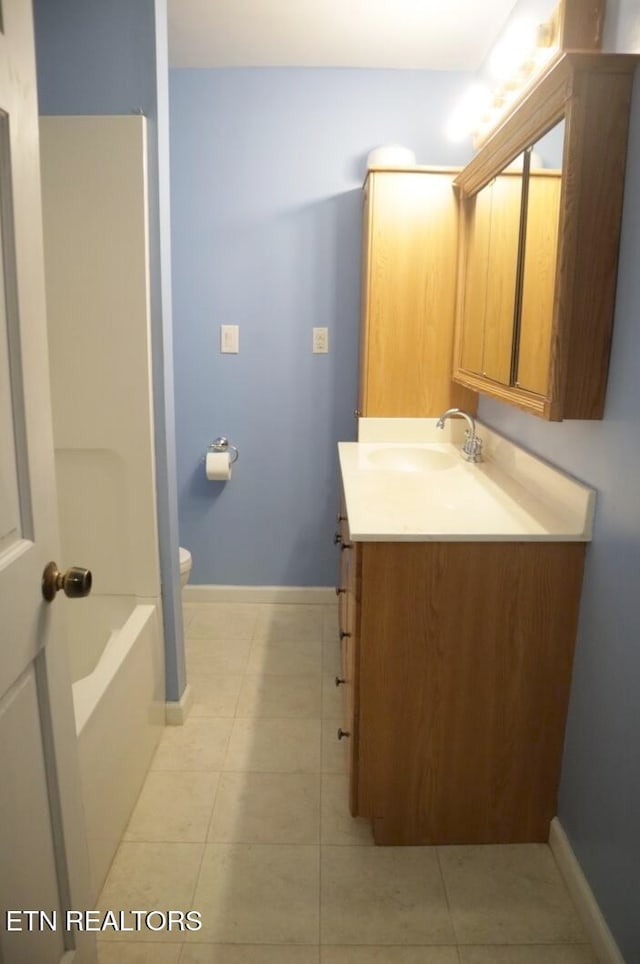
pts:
[458, 594]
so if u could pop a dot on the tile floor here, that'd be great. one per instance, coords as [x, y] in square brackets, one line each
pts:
[243, 817]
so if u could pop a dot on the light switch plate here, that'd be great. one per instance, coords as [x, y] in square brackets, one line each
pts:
[229, 339]
[320, 341]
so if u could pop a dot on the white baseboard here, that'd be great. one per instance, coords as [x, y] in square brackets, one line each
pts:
[304, 595]
[596, 927]
[176, 711]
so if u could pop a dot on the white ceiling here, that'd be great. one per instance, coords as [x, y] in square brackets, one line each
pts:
[420, 34]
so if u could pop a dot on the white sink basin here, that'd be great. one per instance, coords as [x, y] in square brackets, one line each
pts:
[409, 458]
[416, 489]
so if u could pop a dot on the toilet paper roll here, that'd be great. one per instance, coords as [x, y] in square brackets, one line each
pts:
[218, 466]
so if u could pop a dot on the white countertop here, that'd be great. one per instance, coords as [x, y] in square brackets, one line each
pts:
[405, 480]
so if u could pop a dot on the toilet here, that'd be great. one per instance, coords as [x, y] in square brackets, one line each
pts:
[185, 566]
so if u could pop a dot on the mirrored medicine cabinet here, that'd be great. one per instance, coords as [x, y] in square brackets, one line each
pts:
[540, 208]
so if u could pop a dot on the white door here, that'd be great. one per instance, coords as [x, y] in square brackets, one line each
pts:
[43, 864]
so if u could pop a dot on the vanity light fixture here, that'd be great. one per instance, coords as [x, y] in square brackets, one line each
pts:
[512, 49]
[473, 104]
[519, 56]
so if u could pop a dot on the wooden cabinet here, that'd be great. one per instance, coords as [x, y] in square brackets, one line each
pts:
[410, 245]
[457, 665]
[539, 336]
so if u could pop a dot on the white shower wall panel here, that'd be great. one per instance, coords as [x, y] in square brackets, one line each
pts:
[96, 256]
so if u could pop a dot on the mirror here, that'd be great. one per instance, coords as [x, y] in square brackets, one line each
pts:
[539, 262]
[511, 238]
[492, 230]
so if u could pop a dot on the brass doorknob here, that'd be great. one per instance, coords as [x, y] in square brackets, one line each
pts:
[74, 582]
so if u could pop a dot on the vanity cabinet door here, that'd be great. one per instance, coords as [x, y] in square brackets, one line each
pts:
[350, 672]
[348, 630]
[461, 700]
[409, 277]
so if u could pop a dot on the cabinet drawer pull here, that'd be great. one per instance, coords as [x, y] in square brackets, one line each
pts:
[342, 733]
[339, 591]
[357, 413]
[337, 539]
[346, 545]
[340, 518]
[340, 681]
[344, 634]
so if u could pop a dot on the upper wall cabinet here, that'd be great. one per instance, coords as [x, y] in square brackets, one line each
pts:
[410, 241]
[540, 208]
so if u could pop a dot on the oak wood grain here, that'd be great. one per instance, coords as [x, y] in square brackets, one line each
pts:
[591, 211]
[592, 92]
[409, 290]
[476, 231]
[538, 282]
[465, 666]
[348, 631]
[581, 24]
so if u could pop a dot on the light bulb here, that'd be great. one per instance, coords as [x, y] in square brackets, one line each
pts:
[467, 112]
[514, 47]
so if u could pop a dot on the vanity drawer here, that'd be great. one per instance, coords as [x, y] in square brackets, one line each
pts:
[348, 589]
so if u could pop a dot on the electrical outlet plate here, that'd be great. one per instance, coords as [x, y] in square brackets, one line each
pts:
[229, 339]
[320, 341]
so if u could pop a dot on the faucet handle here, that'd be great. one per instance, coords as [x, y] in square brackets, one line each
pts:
[472, 447]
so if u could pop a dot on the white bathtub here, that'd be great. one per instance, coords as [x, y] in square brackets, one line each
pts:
[117, 667]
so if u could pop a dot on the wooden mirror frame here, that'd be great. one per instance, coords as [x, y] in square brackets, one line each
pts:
[592, 92]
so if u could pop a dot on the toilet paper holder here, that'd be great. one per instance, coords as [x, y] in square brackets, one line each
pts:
[222, 444]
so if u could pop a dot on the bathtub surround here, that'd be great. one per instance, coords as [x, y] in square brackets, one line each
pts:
[111, 58]
[267, 168]
[94, 204]
[119, 719]
[95, 230]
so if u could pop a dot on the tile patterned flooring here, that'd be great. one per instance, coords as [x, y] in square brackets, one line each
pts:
[243, 817]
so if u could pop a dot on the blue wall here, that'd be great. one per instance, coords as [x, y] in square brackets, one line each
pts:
[111, 58]
[267, 166]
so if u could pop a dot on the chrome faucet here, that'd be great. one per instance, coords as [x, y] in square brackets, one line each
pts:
[472, 448]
